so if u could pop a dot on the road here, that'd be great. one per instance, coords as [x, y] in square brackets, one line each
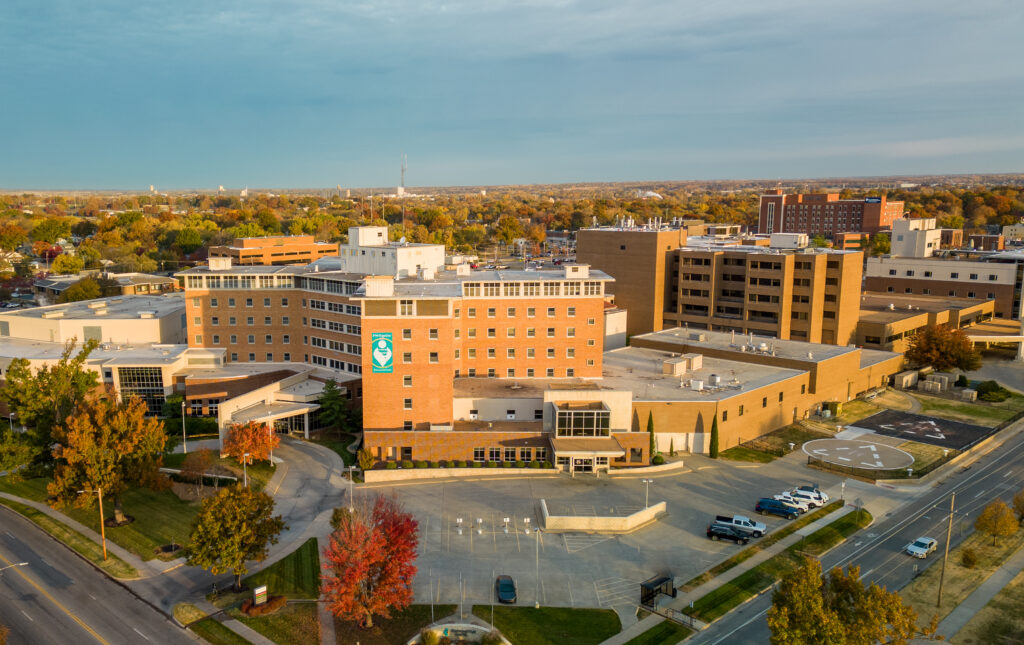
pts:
[878, 549]
[59, 598]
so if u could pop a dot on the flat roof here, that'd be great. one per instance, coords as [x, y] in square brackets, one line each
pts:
[735, 244]
[107, 353]
[870, 357]
[909, 303]
[117, 308]
[735, 342]
[639, 370]
[510, 388]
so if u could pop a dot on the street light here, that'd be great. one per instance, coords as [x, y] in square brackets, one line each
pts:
[103, 530]
[17, 564]
[245, 470]
[536, 591]
[10, 418]
[184, 442]
[647, 495]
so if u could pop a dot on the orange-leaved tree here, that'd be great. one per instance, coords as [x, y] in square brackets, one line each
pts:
[257, 439]
[368, 564]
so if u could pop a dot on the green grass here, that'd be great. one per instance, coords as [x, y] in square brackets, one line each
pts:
[552, 625]
[293, 624]
[989, 414]
[733, 593]
[764, 543]
[297, 575]
[33, 489]
[216, 634]
[398, 629]
[82, 545]
[259, 472]
[664, 633]
[742, 453]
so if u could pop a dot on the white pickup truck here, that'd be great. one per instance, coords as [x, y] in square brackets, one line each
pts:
[757, 529]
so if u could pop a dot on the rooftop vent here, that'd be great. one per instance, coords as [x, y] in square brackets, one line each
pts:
[700, 338]
[97, 304]
[147, 314]
[696, 385]
[53, 314]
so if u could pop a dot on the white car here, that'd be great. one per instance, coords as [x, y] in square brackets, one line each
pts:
[813, 500]
[814, 490]
[798, 504]
[921, 547]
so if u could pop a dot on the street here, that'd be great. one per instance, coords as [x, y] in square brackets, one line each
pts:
[59, 598]
[878, 549]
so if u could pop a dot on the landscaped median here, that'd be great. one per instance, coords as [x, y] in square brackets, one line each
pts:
[749, 584]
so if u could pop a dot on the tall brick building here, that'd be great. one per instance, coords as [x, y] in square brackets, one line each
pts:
[280, 249]
[825, 214]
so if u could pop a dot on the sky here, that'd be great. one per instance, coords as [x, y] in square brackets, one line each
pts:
[192, 94]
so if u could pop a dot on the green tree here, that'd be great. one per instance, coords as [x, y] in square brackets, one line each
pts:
[880, 244]
[84, 289]
[653, 450]
[333, 407]
[15, 450]
[65, 264]
[507, 229]
[106, 444]
[43, 400]
[943, 348]
[997, 520]
[188, 240]
[23, 267]
[819, 241]
[232, 528]
[50, 230]
[713, 445]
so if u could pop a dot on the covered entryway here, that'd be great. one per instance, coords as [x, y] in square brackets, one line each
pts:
[585, 455]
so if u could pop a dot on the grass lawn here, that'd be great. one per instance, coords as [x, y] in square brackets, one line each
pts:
[297, 575]
[960, 581]
[33, 489]
[986, 414]
[999, 621]
[259, 472]
[742, 453]
[113, 565]
[398, 629]
[664, 633]
[731, 594]
[924, 453]
[761, 544]
[216, 634]
[293, 624]
[552, 625]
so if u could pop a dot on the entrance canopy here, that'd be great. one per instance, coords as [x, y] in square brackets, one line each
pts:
[586, 447]
[266, 413]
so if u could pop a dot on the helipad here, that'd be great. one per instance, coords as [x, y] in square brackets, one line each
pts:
[858, 454]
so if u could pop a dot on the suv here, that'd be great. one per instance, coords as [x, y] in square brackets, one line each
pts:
[765, 506]
[799, 504]
[718, 531]
[812, 500]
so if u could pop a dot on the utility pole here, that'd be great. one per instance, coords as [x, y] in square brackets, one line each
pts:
[949, 534]
[184, 442]
[103, 530]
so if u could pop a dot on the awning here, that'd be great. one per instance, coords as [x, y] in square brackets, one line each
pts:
[265, 413]
[587, 447]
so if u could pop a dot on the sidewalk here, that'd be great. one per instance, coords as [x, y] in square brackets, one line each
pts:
[236, 626]
[684, 600]
[987, 590]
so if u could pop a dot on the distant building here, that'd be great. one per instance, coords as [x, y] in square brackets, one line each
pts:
[915, 238]
[825, 214]
[986, 242]
[49, 289]
[275, 250]
[889, 320]
[851, 241]
[952, 238]
[1014, 232]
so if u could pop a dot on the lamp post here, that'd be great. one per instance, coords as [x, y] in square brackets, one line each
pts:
[351, 492]
[16, 564]
[536, 601]
[647, 494]
[184, 442]
[245, 469]
[103, 530]
[10, 418]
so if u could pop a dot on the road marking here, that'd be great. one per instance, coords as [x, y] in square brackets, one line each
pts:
[283, 475]
[92, 596]
[27, 616]
[140, 633]
[49, 597]
[980, 494]
[8, 533]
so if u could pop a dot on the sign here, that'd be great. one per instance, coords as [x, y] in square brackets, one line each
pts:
[259, 595]
[872, 200]
[382, 356]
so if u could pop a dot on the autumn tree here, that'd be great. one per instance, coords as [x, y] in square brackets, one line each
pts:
[255, 438]
[1018, 505]
[42, 400]
[368, 568]
[196, 465]
[943, 348]
[233, 527]
[997, 520]
[106, 444]
[838, 608]
[67, 264]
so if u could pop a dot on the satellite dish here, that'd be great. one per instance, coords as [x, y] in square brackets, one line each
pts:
[402, 241]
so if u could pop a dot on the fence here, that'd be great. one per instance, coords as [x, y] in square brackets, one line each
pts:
[871, 474]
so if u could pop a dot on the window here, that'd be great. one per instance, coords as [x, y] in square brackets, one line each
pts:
[494, 454]
[406, 357]
[551, 372]
[250, 321]
[992, 277]
[231, 302]
[954, 276]
[471, 352]
[725, 416]
[510, 373]
[407, 425]
[433, 357]
[252, 357]
[529, 372]
[511, 312]
[491, 373]
[551, 352]
[991, 296]
[570, 352]
[471, 332]
[491, 353]
[974, 276]
[764, 402]
[197, 321]
[510, 454]
[471, 312]
[591, 342]
[780, 397]
[287, 357]
[491, 312]
[570, 372]
[479, 455]
[216, 339]
[511, 352]
[406, 334]
[531, 332]
[542, 454]
[458, 332]
[892, 271]
[268, 340]
[458, 355]
[234, 356]
[248, 302]
[213, 302]
[927, 274]
[525, 454]
[405, 308]
[407, 404]
[432, 334]
[531, 312]
[266, 302]
[266, 320]
[286, 339]
[284, 302]
[407, 381]
[270, 357]
[551, 332]
[741, 410]
[803, 388]
[471, 372]
[538, 414]
[492, 332]
[251, 338]
[910, 273]
[510, 332]
[199, 339]
[530, 352]
[970, 294]
[571, 312]
[551, 312]
[234, 339]
[571, 332]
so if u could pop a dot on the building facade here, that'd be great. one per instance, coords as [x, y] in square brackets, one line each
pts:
[274, 250]
[888, 320]
[825, 214]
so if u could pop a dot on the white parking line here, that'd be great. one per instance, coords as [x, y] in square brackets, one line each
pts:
[140, 633]
[27, 616]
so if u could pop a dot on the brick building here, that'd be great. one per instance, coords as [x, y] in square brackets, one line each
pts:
[825, 214]
[274, 250]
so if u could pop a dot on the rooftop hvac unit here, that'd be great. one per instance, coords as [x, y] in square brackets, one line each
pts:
[715, 380]
[696, 385]
[763, 347]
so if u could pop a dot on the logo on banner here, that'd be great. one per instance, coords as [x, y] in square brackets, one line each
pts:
[382, 354]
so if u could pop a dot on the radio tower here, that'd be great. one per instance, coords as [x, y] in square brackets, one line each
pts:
[401, 188]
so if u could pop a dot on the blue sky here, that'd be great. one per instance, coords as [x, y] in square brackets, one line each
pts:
[314, 93]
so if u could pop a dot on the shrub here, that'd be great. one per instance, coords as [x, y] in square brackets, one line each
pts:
[961, 381]
[658, 460]
[391, 465]
[422, 464]
[365, 458]
[969, 558]
[435, 464]
[534, 464]
[493, 638]
[429, 637]
[520, 464]
[476, 464]
[459, 464]
[273, 604]
[547, 464]
[406, 463]
[992, 391]
[445, 641]
[492, 464]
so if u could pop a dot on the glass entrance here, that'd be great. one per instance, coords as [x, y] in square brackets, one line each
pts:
[583, 465]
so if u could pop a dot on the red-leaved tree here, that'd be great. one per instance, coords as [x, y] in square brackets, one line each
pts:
[254, 438]
[368, 568]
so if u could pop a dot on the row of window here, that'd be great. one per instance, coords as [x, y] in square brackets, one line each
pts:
[510, 352]
[269, 357]
[531, 312]
[512, 373]
[239, 282]
[952, 293]
[268, 339]
[529, 289]
[249, 302]
[336, 307]
[764, 403]
[510, 454]
[334, 364]
[492, 332]
[955, 275]
[232, 321]
[336, 346]
[330, 325]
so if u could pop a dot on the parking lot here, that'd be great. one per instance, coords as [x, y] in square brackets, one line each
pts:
[459, 559]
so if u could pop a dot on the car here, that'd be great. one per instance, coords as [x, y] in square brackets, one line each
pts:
[766, 506]
[718, 531]
[921, 547]
[792, 501]
[813, 500]
[474, 265]
[505, 589]
[745, 524]
[813, 488]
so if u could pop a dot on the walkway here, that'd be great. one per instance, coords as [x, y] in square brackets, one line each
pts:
[980, 597]
[683, 600]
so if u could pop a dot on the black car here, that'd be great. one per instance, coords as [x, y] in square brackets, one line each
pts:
[722, 532]
[767, 505]
[505, 589]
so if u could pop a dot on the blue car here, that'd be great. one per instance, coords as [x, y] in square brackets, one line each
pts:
[766, 505]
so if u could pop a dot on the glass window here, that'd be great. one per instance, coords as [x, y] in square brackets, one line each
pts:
[407, 404]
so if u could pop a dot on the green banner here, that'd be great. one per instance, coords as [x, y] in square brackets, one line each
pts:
[382, 355]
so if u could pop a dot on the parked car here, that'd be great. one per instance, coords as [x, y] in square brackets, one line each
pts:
[505, 589]
[792, 501]
[745, 524]
[814, 490]
[921, 547]
[766, 506]
[718, 531]
[813, 500]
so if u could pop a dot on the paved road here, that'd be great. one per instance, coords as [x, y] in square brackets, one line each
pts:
[59, 598]
[878, 550]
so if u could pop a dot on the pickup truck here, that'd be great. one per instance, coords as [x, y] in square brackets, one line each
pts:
[745, 524]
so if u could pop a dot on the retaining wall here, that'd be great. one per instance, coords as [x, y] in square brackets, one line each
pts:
[600, 524]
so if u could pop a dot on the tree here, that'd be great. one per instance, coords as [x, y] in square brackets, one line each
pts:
[508, 229]
[880, 244]
[43, 400]
[368, 567]
[12, 236]
[650, 431]
[188, 240]
[106, 444]
[67, 264]
[233, 527]
[713, 447]
[196, 465]
[997, 520]
[819, 241]
[1018, 505]
[50, 230]
[333, 406]
[836, 609]
[943, 348]
[84, 289]
[257, 439]
[15, 450]
[366, 459]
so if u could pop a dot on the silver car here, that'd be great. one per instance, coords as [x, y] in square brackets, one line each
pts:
[921, 547]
